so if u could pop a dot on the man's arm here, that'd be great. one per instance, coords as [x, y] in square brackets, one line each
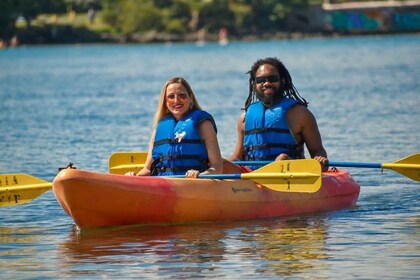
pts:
[305, 128]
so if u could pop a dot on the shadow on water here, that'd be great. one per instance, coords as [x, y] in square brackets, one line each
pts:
[276, 247]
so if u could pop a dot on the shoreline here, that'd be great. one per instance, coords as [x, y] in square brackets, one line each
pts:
[39, 38]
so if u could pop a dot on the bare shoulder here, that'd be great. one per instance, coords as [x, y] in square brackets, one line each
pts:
[206, 125]
[241, 120]
[299, 112]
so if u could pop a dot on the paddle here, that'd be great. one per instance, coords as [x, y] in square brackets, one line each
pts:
[123, 162]
[300, 175]
[285, 176]
[20, 188]
[408, 166]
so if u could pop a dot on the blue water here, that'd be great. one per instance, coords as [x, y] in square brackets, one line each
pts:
[79, 104]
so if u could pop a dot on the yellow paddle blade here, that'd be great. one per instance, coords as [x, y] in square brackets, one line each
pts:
[300, 175]
[20, 188]
[408, 166]
[123, 162]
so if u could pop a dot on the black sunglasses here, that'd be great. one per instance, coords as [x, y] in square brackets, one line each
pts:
[270, 79]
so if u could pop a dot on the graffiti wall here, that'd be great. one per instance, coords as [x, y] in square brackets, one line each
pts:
[373, 20]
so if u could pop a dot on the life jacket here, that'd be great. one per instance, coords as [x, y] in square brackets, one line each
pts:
[178, 146]
[267, 132]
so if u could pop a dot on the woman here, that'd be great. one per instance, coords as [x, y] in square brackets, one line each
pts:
[184, 137]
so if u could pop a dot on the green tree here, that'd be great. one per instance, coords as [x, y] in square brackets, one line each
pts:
[10, 10]
[110, 11]
[30, 9]
[8, 16]
[217, 14]
[176, 17]
[139, 16]
[241, 11]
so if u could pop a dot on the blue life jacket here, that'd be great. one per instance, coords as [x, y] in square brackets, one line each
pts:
[267, 132]
[178, 146]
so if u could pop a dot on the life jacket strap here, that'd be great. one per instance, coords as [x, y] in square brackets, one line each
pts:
[266, 129]
[174, 141]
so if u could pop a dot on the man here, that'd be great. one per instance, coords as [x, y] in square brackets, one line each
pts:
[276, 122]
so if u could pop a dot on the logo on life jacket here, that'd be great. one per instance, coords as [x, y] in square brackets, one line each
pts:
[179, 136]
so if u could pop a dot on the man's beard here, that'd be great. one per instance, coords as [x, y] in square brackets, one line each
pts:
[270, 100]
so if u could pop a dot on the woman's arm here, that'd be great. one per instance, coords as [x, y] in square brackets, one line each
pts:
[209, 136]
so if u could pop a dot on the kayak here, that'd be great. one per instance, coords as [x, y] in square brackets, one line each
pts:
[94, 199]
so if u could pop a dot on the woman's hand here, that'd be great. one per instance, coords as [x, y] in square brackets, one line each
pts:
[131, 173]
[192, 173]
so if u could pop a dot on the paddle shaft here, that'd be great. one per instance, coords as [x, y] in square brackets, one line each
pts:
[341, 164]
[252, 176]
[408, 166]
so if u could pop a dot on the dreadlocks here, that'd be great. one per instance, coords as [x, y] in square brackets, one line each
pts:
[287, 87]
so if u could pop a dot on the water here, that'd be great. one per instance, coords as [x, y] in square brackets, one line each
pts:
[79, 104]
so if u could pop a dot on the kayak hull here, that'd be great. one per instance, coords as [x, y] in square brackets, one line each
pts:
[96, 199]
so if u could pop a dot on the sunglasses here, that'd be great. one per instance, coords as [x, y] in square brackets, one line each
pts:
[180, 96]
[270, 79]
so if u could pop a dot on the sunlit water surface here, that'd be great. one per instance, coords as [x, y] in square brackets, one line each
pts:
[81, 103]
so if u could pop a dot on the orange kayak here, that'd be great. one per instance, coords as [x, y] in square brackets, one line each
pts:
[96, 199]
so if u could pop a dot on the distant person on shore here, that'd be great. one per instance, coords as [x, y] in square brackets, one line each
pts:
[3, 44]
[223, 36]
[276, 123]
[201, 36]
[14, 41]
[91, 15]
[184, 137]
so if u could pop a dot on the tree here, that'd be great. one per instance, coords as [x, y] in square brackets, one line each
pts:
[10, 10]
[217, 14]
[139, 16]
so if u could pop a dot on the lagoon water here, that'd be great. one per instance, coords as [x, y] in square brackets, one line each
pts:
[79, 104]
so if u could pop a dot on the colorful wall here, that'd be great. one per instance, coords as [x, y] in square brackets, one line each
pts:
[373, 20]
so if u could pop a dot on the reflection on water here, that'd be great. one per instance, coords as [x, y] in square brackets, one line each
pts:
[154, 250]
[279, 247]
[25, 249]
[292, 247]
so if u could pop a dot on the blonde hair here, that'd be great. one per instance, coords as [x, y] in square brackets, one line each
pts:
[162, 110]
